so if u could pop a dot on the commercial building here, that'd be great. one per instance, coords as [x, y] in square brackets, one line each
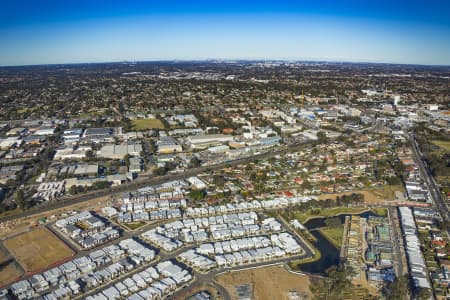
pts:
[416, 262]
[113, 151]
[203, 141]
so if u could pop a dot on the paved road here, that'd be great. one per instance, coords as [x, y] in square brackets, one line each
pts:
[430, 181]
[309, 252]
[147, 180]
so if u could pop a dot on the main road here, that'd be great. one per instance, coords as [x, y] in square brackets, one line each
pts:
[429, 180]
[147, 180]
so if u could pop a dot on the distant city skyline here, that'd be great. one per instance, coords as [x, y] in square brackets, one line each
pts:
[61, 32]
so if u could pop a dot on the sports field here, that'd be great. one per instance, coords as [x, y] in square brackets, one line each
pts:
[38, 249]
[144, 124]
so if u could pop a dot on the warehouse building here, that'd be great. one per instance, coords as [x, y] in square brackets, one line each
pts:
[113, 151]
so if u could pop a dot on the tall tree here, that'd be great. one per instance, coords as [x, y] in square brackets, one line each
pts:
[335, 285]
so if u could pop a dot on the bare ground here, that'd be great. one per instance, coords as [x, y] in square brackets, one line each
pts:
[268, 283]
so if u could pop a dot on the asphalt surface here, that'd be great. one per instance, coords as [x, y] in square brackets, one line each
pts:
[439, 203]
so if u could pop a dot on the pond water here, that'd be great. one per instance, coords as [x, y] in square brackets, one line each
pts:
[320, 222]
[329, 253]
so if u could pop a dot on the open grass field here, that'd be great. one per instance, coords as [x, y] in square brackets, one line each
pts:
[30, 110]
[145, 124]
[135, 225]
[267, 283]
[303, 216]
[371, 195]
[443, 144]
[333, 234]
[37, 249]
[381, 211]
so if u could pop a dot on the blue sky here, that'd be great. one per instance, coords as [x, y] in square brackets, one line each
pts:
[44, 32]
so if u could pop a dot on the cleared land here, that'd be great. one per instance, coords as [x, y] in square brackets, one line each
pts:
[443, 144]
[8, 274]
[14, 227]
[144, 124]
[371, 195]
[37, 249]
[333, 234]
[3, 256]
[8, 270]
[267, 283]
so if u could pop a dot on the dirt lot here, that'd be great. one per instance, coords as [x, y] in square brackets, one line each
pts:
[8, 274]
[8, 270]
[12, 228]
[267, 283]
[37, 249]
[3, 256]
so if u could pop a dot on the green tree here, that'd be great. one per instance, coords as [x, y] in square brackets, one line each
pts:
[160, 171]
[333, 222]
[335, 285]
[322, 137]
[19, 197]
[73, 190]
[398, 289]
[196, 194]
[424, 294]
[195, 162]
[306, 185]
[126, 159]
[219, 180]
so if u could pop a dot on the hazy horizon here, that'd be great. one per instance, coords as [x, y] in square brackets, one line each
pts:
[227, 60]
[70, 32]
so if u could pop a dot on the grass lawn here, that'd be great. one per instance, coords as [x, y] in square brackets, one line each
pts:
[26, 109]
[372, 195]
[135, 225]
[386, 192]
[328, 212]
[294, 264]
[381, 211]
[443, 144]
[144, 124]
[92, 113]
[333, 234]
